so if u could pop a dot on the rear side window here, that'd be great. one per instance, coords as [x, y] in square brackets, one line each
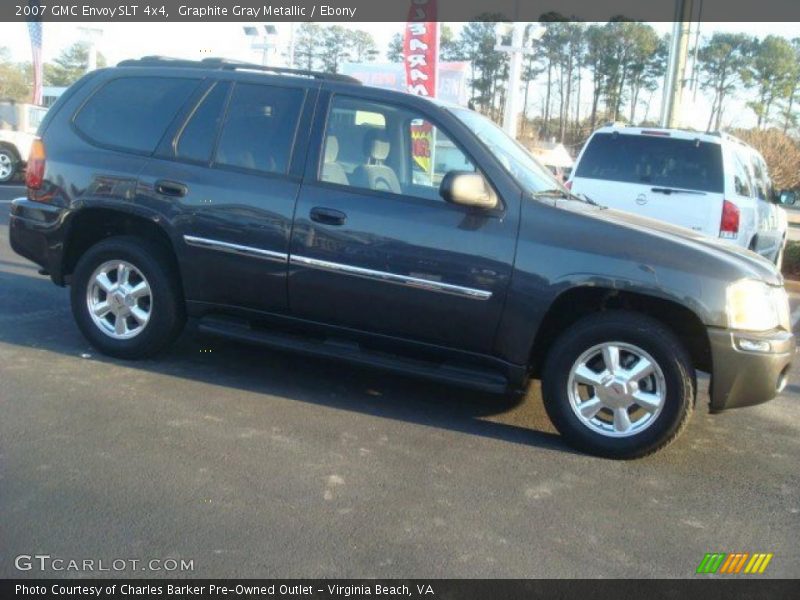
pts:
[260, 127]
[132, 113]
[742, 183]
[196, 140]
[655, 161]
[760, 179]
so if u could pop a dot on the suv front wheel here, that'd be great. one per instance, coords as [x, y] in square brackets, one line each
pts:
[126, 299]
[618, 384]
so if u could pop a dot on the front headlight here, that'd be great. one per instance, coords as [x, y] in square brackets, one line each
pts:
[755, 306]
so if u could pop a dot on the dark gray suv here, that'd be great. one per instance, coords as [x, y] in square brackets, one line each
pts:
[306, 212]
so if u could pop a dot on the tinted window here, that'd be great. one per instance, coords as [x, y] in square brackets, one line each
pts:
[529, 172]
[196, 141]
[741, 177]
[259, 130]
[133, 112]
[760, 179]
[656, 161]
[386, 148]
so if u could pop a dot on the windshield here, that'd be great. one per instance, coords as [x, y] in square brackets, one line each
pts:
[515, 158]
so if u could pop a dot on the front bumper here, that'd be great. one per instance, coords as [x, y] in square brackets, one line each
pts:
[745, 377]
[35, 232]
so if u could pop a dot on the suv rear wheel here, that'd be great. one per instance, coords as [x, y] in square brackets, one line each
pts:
[618, 384]
[125, 298]
[8, 164]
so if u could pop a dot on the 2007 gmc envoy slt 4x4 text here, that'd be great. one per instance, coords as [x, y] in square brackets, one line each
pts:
[304, 211]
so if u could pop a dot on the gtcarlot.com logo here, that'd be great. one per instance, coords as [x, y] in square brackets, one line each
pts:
[46, 562]
[734, 563]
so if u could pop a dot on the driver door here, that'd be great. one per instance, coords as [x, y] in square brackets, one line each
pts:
[375, 248]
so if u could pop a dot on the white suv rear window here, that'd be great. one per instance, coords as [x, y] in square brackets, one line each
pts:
[652, 160]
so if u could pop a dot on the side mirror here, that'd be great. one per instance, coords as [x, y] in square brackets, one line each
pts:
[467, 189]
[787, 197]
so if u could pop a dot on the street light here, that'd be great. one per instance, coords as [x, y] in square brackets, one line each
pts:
[510, 39]
[265, 42]
[90, 36]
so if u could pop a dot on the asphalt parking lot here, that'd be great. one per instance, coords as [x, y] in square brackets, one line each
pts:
[253, 463]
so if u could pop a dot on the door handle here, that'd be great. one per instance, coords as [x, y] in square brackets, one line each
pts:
[171, 188]
[328, 216]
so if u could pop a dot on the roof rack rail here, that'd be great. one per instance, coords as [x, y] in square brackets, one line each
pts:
[232, 65]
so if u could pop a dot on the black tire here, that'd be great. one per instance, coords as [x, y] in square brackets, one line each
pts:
[648, 335]
[167, 317]
[8, 154]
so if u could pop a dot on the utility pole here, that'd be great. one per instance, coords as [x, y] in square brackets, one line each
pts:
[676, 70]
[291, 45]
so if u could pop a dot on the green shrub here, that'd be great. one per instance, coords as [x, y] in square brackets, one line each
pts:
[791, 260]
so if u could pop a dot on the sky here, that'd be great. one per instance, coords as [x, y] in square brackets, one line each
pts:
[119, 41]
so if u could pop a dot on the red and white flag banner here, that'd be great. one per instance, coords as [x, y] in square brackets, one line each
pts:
[421, 57]
[421, 48]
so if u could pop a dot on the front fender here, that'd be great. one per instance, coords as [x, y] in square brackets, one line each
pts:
[561, 250]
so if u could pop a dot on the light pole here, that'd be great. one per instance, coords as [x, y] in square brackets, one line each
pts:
[91, 35]
[264, 42]
[516, 50]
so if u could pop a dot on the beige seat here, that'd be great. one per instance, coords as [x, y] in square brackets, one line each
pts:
[332, 171]
[375, 175]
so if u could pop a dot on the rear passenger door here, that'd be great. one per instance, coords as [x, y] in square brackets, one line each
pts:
[227, 176]
[374, 246]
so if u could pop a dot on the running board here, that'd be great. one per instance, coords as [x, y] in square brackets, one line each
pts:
[353, 352]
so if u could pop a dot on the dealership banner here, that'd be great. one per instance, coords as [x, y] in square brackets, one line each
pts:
[377, 10]
[421, 60]
[421, 48]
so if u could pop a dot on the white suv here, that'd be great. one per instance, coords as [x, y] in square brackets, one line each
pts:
[18, 124]
[714, 184]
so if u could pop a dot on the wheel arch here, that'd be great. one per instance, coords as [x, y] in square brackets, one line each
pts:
[15, 156]
[91, 225]
[12, 148]
[578, 302]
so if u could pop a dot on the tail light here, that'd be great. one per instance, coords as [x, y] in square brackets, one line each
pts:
[729, 226]
[34, 173]
[568, 185]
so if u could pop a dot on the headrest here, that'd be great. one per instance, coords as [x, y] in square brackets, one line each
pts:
[376, 145]
[331, 149]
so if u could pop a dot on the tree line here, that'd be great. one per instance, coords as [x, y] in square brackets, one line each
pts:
[16, 79]
[596, 72]
[582, 74]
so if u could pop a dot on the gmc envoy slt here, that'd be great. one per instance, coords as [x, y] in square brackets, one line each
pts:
[304, 211]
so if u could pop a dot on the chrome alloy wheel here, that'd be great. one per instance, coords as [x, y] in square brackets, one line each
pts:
[6, 166]
[616, 389]
[119, 299]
